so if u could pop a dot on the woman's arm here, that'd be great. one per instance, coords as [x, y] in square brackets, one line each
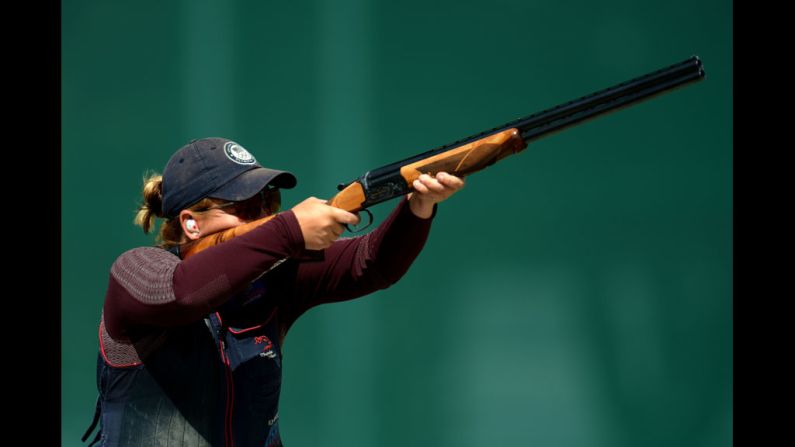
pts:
[358, 266]
[150, 286]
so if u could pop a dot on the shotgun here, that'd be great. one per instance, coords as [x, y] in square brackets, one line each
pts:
[477, 152]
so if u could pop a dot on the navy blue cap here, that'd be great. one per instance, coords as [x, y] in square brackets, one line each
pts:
[216, 168]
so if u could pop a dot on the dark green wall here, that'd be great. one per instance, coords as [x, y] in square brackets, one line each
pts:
[578, 294]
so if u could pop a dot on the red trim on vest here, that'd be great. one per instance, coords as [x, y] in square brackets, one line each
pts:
[249, 329]
[230, 388]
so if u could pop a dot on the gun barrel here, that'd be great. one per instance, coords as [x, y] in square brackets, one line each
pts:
[610, 99]
[384, 183]
[598, 103]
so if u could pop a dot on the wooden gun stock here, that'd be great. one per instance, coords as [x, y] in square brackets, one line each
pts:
[189, 249]
[460, 161]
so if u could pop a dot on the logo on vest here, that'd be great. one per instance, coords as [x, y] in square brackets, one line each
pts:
[267, 350]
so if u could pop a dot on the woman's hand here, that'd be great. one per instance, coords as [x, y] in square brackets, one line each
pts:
[429, 191]
[321, 224]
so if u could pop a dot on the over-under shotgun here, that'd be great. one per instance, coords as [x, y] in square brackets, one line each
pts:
[479, 151]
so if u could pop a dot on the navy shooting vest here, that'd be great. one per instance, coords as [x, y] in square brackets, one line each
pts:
[213, 382]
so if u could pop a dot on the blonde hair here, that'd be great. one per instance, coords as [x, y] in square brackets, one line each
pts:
[170, 233]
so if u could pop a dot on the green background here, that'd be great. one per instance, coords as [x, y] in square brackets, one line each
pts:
[577, 294]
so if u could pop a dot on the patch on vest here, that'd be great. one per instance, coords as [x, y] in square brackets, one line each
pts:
[267, 349]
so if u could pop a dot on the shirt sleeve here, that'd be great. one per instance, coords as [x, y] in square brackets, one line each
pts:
[150, 286]
[354, 267]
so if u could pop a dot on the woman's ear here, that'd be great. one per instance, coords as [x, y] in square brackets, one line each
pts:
[190, 227]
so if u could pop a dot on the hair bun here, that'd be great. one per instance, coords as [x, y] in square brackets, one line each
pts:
[152, 205]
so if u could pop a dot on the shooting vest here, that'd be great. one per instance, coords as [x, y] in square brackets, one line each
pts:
[214, 382]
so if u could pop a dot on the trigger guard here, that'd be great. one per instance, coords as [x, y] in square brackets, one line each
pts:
[364, 227]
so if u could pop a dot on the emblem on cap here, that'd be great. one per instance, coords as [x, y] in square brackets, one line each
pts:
[238, 154]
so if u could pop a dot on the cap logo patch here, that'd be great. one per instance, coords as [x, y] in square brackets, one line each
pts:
[238, 154]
